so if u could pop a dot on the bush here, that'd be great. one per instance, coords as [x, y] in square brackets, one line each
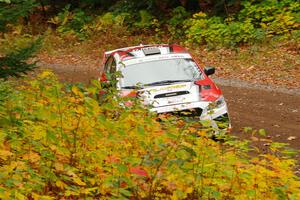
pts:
[71, 22]
[132, 7]
[145, 20]
[121, 23]
[215, 32]
[253, 23]
[108, 23]
[12, 10]
[58, 142]
[15, 41]
[276, 17]
[15, 63]
[177, 21]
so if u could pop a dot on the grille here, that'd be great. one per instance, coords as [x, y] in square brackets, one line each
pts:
[171, 94]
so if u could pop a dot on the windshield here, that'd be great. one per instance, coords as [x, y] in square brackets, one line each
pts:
[160, 71]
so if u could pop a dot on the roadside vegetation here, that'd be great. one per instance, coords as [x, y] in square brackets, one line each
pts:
[58, 142]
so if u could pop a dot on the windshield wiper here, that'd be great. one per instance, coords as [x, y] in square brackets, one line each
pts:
[166, 82]
[132, 87]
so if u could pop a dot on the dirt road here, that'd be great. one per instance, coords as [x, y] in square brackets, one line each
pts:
[275, 109]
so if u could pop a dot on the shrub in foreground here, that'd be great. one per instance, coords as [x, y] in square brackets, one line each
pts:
[58, 142]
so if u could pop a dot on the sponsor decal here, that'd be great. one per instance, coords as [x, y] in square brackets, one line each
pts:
[167, 88]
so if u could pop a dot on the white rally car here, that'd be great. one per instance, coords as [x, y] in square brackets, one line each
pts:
[168, 79]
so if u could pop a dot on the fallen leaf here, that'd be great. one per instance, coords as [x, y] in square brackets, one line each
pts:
[291, 138]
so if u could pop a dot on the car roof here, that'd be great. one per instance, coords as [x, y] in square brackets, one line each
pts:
[146, 50]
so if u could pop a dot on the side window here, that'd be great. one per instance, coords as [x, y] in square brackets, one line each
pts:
[113, 66]
[108, 63]
[110, 68]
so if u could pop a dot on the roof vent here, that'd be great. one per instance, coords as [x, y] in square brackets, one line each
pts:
[151, 51]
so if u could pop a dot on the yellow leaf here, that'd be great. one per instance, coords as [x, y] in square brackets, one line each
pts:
[19, 196]
[78, 181]
[76, 91]
[46, 74]
[80, 110]
[89, 190]
[69, 193]
[4, 154]
[174, 197]
[46, 198]
[4, 194]
[32, 157]
[202, 133]
[60, 184]
[189, 190]
[59, 166]
[36, 196]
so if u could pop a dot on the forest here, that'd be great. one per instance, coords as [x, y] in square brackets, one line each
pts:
[213, 24]
[60, 140]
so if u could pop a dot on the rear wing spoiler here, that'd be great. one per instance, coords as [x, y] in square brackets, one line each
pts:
[107, 53]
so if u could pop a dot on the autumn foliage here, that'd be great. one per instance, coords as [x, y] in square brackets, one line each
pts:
[58, 142]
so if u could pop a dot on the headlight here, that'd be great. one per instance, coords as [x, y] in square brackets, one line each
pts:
[217, 104]
[220, 101]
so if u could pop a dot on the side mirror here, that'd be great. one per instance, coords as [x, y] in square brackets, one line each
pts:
[209, 70]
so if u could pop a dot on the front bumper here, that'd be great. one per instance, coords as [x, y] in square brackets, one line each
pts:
[218, 117]
[180, 107]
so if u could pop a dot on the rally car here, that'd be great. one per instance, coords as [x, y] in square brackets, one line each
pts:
[168, 79]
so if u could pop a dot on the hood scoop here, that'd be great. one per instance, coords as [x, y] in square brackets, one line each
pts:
[171, 94]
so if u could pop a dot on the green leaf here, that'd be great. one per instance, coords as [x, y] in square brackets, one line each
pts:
[216, 194]
[262, 132]
[141, 130]
[247, 129]
[121, 168]
[5, 1]
[125, 192]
